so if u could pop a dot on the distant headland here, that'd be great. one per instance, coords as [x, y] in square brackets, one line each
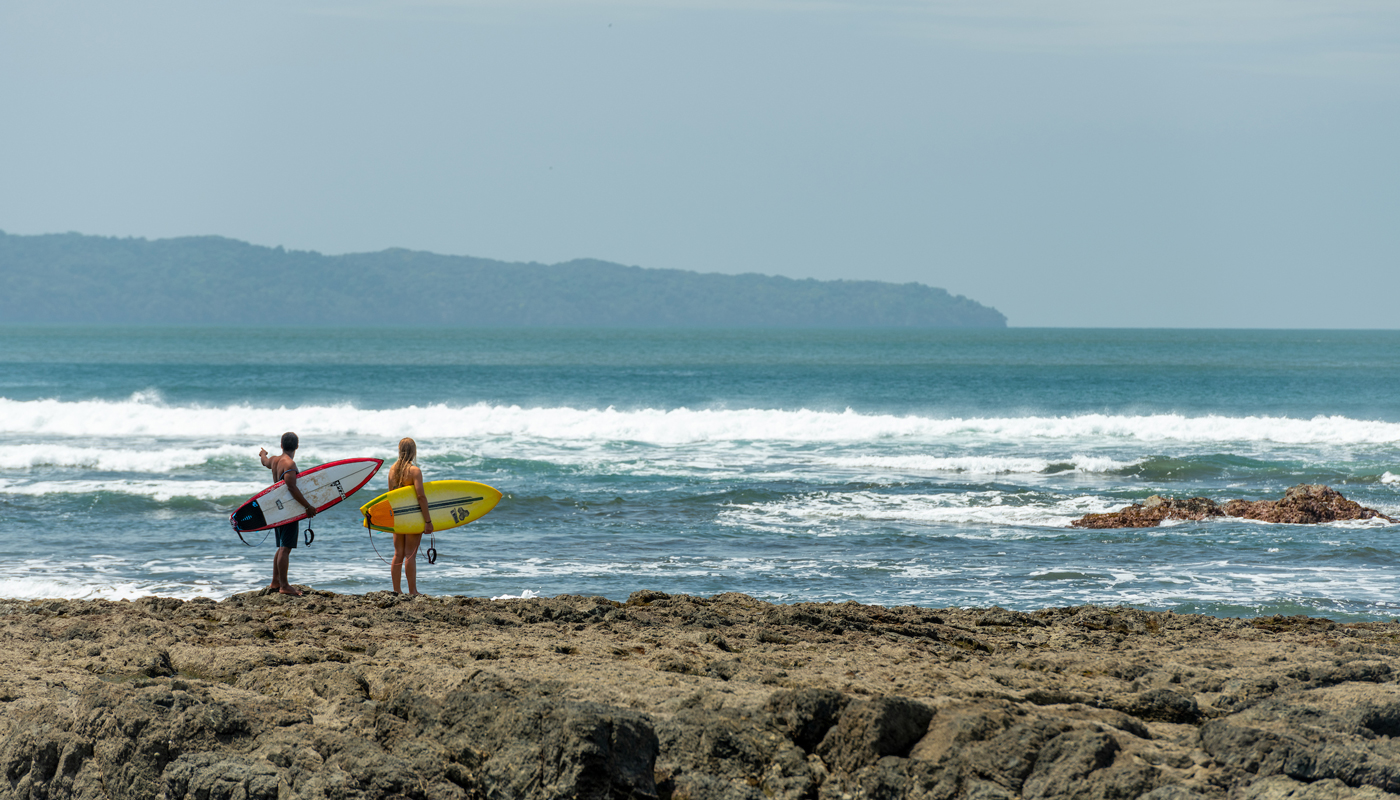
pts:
[71, 278]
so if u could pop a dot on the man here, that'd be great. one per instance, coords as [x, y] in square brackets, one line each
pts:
[285, 469]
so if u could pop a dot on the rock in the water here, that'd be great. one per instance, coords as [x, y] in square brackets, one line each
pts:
[1151, 513]
[1304, 504]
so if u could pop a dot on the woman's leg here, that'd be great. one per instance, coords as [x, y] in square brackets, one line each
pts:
[410, 560]
[396, 566]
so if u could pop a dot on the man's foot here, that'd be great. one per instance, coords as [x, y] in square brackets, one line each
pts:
[291, 590]
[417, 594]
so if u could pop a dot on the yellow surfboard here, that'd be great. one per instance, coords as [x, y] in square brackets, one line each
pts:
[450, 503]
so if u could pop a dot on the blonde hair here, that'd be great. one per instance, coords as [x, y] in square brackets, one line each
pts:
[408, 453]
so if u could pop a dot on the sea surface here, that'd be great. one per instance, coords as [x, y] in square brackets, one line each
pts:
[929, 468]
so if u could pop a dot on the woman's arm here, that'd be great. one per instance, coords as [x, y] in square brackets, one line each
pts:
[422, 499]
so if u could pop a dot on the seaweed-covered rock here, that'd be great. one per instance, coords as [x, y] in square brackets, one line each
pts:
[1152, 512]
[1304, 504]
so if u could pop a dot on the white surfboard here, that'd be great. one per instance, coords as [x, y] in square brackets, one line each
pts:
[323, 485]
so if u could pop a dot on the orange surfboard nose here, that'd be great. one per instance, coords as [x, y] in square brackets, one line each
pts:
[382, 514]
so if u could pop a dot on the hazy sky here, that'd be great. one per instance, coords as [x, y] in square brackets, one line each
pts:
[1181, 163]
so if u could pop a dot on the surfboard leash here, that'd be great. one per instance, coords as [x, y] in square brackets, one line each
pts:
[432, 551]
[370, 532]
[245, 541]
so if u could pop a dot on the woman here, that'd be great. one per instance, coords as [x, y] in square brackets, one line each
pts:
[403, 473]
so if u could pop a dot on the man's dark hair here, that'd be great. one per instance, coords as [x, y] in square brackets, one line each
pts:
[289, 442]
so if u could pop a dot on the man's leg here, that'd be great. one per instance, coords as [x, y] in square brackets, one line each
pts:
[276, 584]
[282, 559]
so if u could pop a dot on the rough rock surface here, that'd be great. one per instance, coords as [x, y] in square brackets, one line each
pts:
[1304, 504]
[382, 696]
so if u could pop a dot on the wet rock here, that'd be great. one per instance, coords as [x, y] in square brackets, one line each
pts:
[1152, 512]
[1304, 504]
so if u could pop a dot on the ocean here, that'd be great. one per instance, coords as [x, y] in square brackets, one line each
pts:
[930, 468]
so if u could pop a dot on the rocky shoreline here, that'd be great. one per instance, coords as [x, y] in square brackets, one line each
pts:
[382, 696]
[1304, 504]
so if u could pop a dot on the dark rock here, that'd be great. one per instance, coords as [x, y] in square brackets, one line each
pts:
[718, 641]
[540, 747]
[1162, 705]
[1002, 617]
[954, 728]
[806, 715]
[646, 597]
[1382, 719]
[1362, 671]
[206, 776]
[1151, 513]
[41, 760]
[727, 754]
[1054, 697]
[1007, 758]
[871, 729]
[1306, 745]
[1238, 694]
[1278, 787]
[1064, 767]
[1172, 793]
[1304, 504]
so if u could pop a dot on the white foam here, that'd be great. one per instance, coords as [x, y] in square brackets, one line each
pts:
[525, 594]
[150, 458]
[969, 508]
[159, 490]
[979, 465]
[146, 416]
[105, 577]
[1389, 477]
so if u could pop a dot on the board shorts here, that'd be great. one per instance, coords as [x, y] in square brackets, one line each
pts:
[286, 535]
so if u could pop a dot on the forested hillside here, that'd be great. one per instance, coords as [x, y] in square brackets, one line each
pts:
[72, 278]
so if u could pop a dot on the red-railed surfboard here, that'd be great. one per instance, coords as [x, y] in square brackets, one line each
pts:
[324, 485]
